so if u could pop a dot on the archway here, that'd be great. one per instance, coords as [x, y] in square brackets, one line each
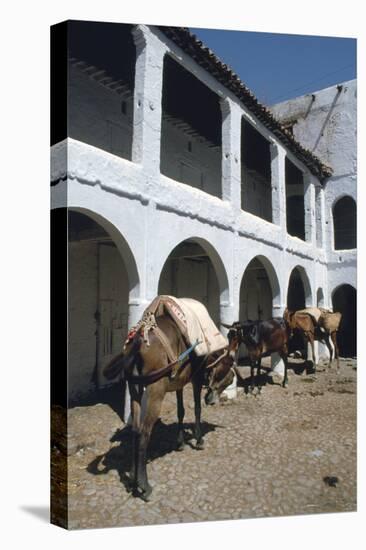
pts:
[259, 290]
[299, 289]
[344, 299]
[345, 224]
[102, 276]
[194, 269]
[298, 296]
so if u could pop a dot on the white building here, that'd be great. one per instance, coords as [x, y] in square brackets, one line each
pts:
[178, 181]
[326, 123]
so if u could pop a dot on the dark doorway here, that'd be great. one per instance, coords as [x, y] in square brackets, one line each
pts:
[345, 300]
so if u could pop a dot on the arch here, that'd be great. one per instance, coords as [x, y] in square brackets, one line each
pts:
[266, 290]
[320, 297]
[194, 269]
[102, 276]
[344, 223]
[344, 299]
[120, 242]
[299, 293]
[216, 260]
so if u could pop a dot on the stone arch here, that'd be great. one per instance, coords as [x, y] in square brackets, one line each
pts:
[216, 260]
[193, 268]
[299, 293]
[344, 223]
[262, 301]
[121, 243]
[102, 278]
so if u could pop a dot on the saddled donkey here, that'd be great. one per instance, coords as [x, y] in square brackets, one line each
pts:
[262, 338]
[316, 324]
[146, 367]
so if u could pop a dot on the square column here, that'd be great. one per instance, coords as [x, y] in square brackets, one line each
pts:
[320, 216]
[309, 204]
[278, 183]
[231, 152]
[147, 110]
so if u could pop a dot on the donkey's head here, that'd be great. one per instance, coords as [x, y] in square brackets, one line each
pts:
[221, 371]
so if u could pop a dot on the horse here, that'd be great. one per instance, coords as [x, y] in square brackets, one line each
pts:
[262, 338]
[145, 366]
[316, 324]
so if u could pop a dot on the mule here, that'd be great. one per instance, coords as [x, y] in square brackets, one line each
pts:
[316, 324]
[262, 338]
[146, 368]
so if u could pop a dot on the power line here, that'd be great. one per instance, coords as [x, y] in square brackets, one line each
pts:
[313, 81]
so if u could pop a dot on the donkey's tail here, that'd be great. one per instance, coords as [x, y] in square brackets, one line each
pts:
[121, 362]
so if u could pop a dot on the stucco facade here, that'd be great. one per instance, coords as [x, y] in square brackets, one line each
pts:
[326, 122]
[161, 192]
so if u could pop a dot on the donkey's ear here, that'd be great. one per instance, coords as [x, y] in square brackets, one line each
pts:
[226, 326]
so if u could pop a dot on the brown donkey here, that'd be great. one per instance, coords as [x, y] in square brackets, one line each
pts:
[316, 324]
[148, 372]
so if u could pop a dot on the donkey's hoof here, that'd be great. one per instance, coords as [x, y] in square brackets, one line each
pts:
[181, 446]
[130, 485]
[143, 493]
[200, 445]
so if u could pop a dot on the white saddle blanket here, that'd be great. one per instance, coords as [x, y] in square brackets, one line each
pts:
[200, 326]
[313, 311]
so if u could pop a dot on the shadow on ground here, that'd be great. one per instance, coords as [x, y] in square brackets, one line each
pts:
[163, 441]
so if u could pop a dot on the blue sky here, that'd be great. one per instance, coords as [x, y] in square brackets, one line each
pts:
[277, 67]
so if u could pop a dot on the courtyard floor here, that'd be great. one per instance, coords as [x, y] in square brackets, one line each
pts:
[282, 452]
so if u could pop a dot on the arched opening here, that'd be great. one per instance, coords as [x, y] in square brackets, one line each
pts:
[299, 290]
[320, 297]
[344, 299]
[258, 290]
[194, 270]
[101, 279]
[298, 296]
[345, 224]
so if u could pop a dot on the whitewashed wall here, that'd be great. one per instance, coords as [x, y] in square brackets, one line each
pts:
[147, 214]
[326, 123]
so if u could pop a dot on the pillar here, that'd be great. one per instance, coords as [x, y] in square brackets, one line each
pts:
[278, 183]
[231, 153]
[309, 204]
[147, 115]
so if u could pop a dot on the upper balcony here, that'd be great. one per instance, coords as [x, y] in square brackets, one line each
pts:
[142, 99]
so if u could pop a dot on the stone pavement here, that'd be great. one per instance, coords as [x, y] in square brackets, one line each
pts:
[282, 452]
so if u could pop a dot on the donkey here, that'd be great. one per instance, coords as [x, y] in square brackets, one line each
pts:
[261, 338]
[316, 324]
[146, 368]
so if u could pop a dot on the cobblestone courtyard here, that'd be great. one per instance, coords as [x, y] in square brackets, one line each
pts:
[265, 455]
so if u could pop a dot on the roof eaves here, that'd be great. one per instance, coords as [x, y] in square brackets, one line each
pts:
[207, 59]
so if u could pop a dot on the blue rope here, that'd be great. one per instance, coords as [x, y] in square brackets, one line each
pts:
[184, 354]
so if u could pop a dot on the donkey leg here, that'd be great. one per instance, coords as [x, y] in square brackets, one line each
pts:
[284, 356]
[259, 374]
[311, 340]
[330, 348]
[180, 410]
[252, 367]
[197, 386]
[335, 344]
[136, 395]
[150, 411]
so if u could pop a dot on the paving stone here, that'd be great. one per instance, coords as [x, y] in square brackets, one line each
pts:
[260, 459]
